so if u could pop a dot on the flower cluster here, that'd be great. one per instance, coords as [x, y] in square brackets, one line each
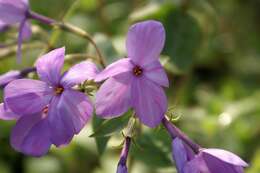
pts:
[52, 110]
[49, 111]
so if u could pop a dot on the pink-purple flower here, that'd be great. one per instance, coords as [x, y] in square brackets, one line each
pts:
[48, 111]
[15, 12]
[206, 161]
[136, 82]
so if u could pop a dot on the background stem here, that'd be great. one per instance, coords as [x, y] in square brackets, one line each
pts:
[69, 28]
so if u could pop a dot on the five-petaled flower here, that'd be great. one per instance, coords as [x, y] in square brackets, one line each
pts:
[206, 161]
[49, 111]
[14, 12]
[136, 81]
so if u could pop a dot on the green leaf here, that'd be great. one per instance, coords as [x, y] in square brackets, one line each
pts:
[101, 142]
[153, 149]
[183, 38]
[106, 46]
[112, 126]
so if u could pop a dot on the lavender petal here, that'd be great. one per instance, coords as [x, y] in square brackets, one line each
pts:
[7, 114]
[120, 66]
[114, 96]
[49, 66]
[149, 101]
[26, 96]
[31, 135]
[145, 42]
[155, 72]
[86, 70]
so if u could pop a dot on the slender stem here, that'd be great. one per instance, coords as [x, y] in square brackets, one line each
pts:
[70, 28]
[41, 18]
[26, 71]
[10, 50]
[176, 132]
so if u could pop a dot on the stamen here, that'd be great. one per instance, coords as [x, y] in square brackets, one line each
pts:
[59, 90]
[137, 71]
[45, 109]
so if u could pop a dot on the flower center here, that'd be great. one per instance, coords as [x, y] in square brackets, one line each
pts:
[58, 90]
[137, 70]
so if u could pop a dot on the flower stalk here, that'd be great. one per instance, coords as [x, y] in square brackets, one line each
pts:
[176, 132]
[69, 28]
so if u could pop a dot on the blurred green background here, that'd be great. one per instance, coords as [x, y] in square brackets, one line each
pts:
[212, 57]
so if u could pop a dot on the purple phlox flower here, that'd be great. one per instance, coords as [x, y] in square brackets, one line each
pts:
[15, 12]
[50, 111]
[135, 82]
[206, 161]
[121, 167]
[9, 76]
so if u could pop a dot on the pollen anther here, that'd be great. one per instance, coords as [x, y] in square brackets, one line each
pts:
[137, 70]
[59, 90]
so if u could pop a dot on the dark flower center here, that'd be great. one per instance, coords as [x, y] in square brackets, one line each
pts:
[137, 71]
[59, 90]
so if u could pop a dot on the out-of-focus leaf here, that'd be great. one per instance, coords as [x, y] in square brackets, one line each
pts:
[109, 127]
[183, 38]
[56, 10]
[255, 166]
[106, 46]
[101, 142]
[152, 149]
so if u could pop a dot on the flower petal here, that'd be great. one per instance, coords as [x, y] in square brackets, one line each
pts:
[77, 74]
[216, 165]
[7, 114]
[26, 96]
[8, 77]
[145, 41]
[12, 11]
[226, 156]
[68, 115]
[197, 165]
[114, 96]
[49, 66]
[24, 34]
[155, 72]
[61, 135]
[121, 169]
[20, 40]
[149, 101]
[26, 31]
[76, 107]
[179, 154]
[31, 135]
[120, 66]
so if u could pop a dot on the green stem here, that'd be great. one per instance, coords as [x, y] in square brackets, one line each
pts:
[69, 28]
